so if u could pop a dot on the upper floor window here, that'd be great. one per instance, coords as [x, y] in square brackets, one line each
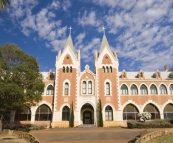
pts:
[143, 89]
[134, 89]
[107, 88]
[70, 69]
[110, 70]
[107, 69]
[89, 87]
[50, 90]
[163, 89]
[63, 69]
[124, 89]
[67, 69]
[171, 89]
[66, 89]
[84, 87]
[153, 89]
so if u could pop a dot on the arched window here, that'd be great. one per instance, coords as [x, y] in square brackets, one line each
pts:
[134, 89]
[168, 111]
[103, 69]
[171, 89]
[107, 69]
[107, 88]
[108, 113]
[163, 89]
[70, 69]
[50, 90]
[89, 87]
[124, 89]
[84, 87]
[63, 69]
[67, 69]
[65, 113]
[143, 89]
[153, 89]
[66, 89]
[130, 112]
[152, 109]
[43, 113]
[24, 115]
[110, 69]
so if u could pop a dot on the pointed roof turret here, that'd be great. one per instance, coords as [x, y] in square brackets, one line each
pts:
[104, 43]
[69, 42]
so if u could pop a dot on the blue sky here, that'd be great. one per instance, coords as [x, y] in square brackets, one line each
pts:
[141, 31]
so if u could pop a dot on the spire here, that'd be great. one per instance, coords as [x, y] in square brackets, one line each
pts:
[69, 42]
[104, 43]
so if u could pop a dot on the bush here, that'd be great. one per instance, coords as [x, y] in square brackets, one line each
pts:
[150, 124]
[25, 127]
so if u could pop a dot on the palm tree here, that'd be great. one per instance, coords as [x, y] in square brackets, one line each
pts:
[4, 4]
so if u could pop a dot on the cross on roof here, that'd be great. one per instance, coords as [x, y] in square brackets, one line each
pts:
[103, 28]
[70, 29]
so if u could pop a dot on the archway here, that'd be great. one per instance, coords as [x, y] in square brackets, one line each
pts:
[87, 114]
[153, 110]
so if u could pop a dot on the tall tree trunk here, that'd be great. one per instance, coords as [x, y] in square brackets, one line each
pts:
[100, 114]
[0, 123]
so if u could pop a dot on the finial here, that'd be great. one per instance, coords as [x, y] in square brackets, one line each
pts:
[103, 28]
[70, 29]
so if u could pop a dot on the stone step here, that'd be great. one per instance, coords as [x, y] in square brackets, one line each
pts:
[87, 126]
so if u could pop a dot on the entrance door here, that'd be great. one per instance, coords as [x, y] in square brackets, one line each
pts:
[87, 117]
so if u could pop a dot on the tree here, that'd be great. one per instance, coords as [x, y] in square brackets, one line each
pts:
[71, 121]
[4, 4]
[21, 83]
[100, 114]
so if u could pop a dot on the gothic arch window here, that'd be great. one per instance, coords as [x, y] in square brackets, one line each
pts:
[110, 69]
[103, 69]
[130, 112]
[70, 69]
[50, 90]
[124, 89]
[152, 109]
[66, 89]
[89, 87]
[65, 113]
[134, 90]
[67, 69]
[107, 88]
[63, 69]
[163, 89]
[153, 89]
[107, 69]
[168, 111]
[43, 113]
[171, 89]
[143, 89]
[24, 115]
[108, 113]
[84, 87]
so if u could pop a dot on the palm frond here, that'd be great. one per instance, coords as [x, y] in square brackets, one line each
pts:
[4, 4]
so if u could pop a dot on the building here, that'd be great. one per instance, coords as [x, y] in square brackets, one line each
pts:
[123, 94]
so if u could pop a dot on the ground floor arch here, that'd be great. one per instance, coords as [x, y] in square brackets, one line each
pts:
[153, 110]
[87, 114]
[130, 112]
[168, 111]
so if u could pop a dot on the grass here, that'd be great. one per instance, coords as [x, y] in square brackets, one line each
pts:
[163, 139]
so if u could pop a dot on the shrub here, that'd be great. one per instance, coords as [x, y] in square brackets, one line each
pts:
[131, 124]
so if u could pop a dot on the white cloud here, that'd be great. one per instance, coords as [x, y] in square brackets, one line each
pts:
[88, 19]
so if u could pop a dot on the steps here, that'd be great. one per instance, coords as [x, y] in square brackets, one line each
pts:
[87, 126]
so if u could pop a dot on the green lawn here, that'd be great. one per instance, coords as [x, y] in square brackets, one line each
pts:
[163, 139]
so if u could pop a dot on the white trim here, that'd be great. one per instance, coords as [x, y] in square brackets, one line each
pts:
[131, 102]
[110, 83]
[63, 89]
